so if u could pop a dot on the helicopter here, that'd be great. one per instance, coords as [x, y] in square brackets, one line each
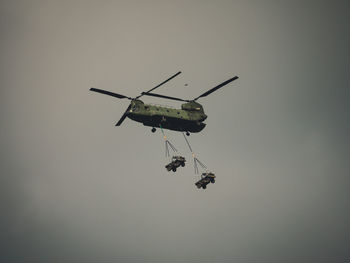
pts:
[188, 119]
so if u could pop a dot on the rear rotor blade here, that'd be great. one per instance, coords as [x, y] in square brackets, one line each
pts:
[123, 116]
[165, 81]
[163, 96]
[119, 96]
[216, 88]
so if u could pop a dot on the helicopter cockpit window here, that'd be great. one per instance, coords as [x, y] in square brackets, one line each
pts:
[135, 107]
[195, 109]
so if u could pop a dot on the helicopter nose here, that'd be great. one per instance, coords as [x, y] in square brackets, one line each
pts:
[204, 117]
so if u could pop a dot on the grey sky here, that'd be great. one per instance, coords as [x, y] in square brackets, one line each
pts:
[75, 188]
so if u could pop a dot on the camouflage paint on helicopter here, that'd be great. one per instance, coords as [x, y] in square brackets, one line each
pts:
[189, 118]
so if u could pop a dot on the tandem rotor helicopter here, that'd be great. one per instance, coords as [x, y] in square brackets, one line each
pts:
[188, 119]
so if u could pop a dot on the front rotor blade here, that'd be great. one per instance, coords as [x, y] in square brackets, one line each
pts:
[119, 96]
[123, 117]
[216, 88]
[162, 96]
[165, 81]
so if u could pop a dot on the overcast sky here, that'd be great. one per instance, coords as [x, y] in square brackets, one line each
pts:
[75, 188]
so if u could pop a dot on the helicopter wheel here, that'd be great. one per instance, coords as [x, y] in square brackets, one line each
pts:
[153, 130]
[187, 133]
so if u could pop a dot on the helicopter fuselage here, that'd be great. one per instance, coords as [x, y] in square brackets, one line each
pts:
[188, 119]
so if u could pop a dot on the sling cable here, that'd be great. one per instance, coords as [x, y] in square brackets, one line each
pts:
[168, 144]
[195, 160]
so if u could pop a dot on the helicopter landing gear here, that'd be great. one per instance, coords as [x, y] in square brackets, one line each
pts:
[187, 133]
[153, 130]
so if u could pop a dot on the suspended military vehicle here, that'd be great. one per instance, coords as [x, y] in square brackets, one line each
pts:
[206, 178]
[176, 162]
[188, 119]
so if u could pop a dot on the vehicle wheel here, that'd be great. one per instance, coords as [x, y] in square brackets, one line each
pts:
[212, 181]
[182, 164]
[187, 133]
[174, 169]
[153, 130]
[204, 186]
